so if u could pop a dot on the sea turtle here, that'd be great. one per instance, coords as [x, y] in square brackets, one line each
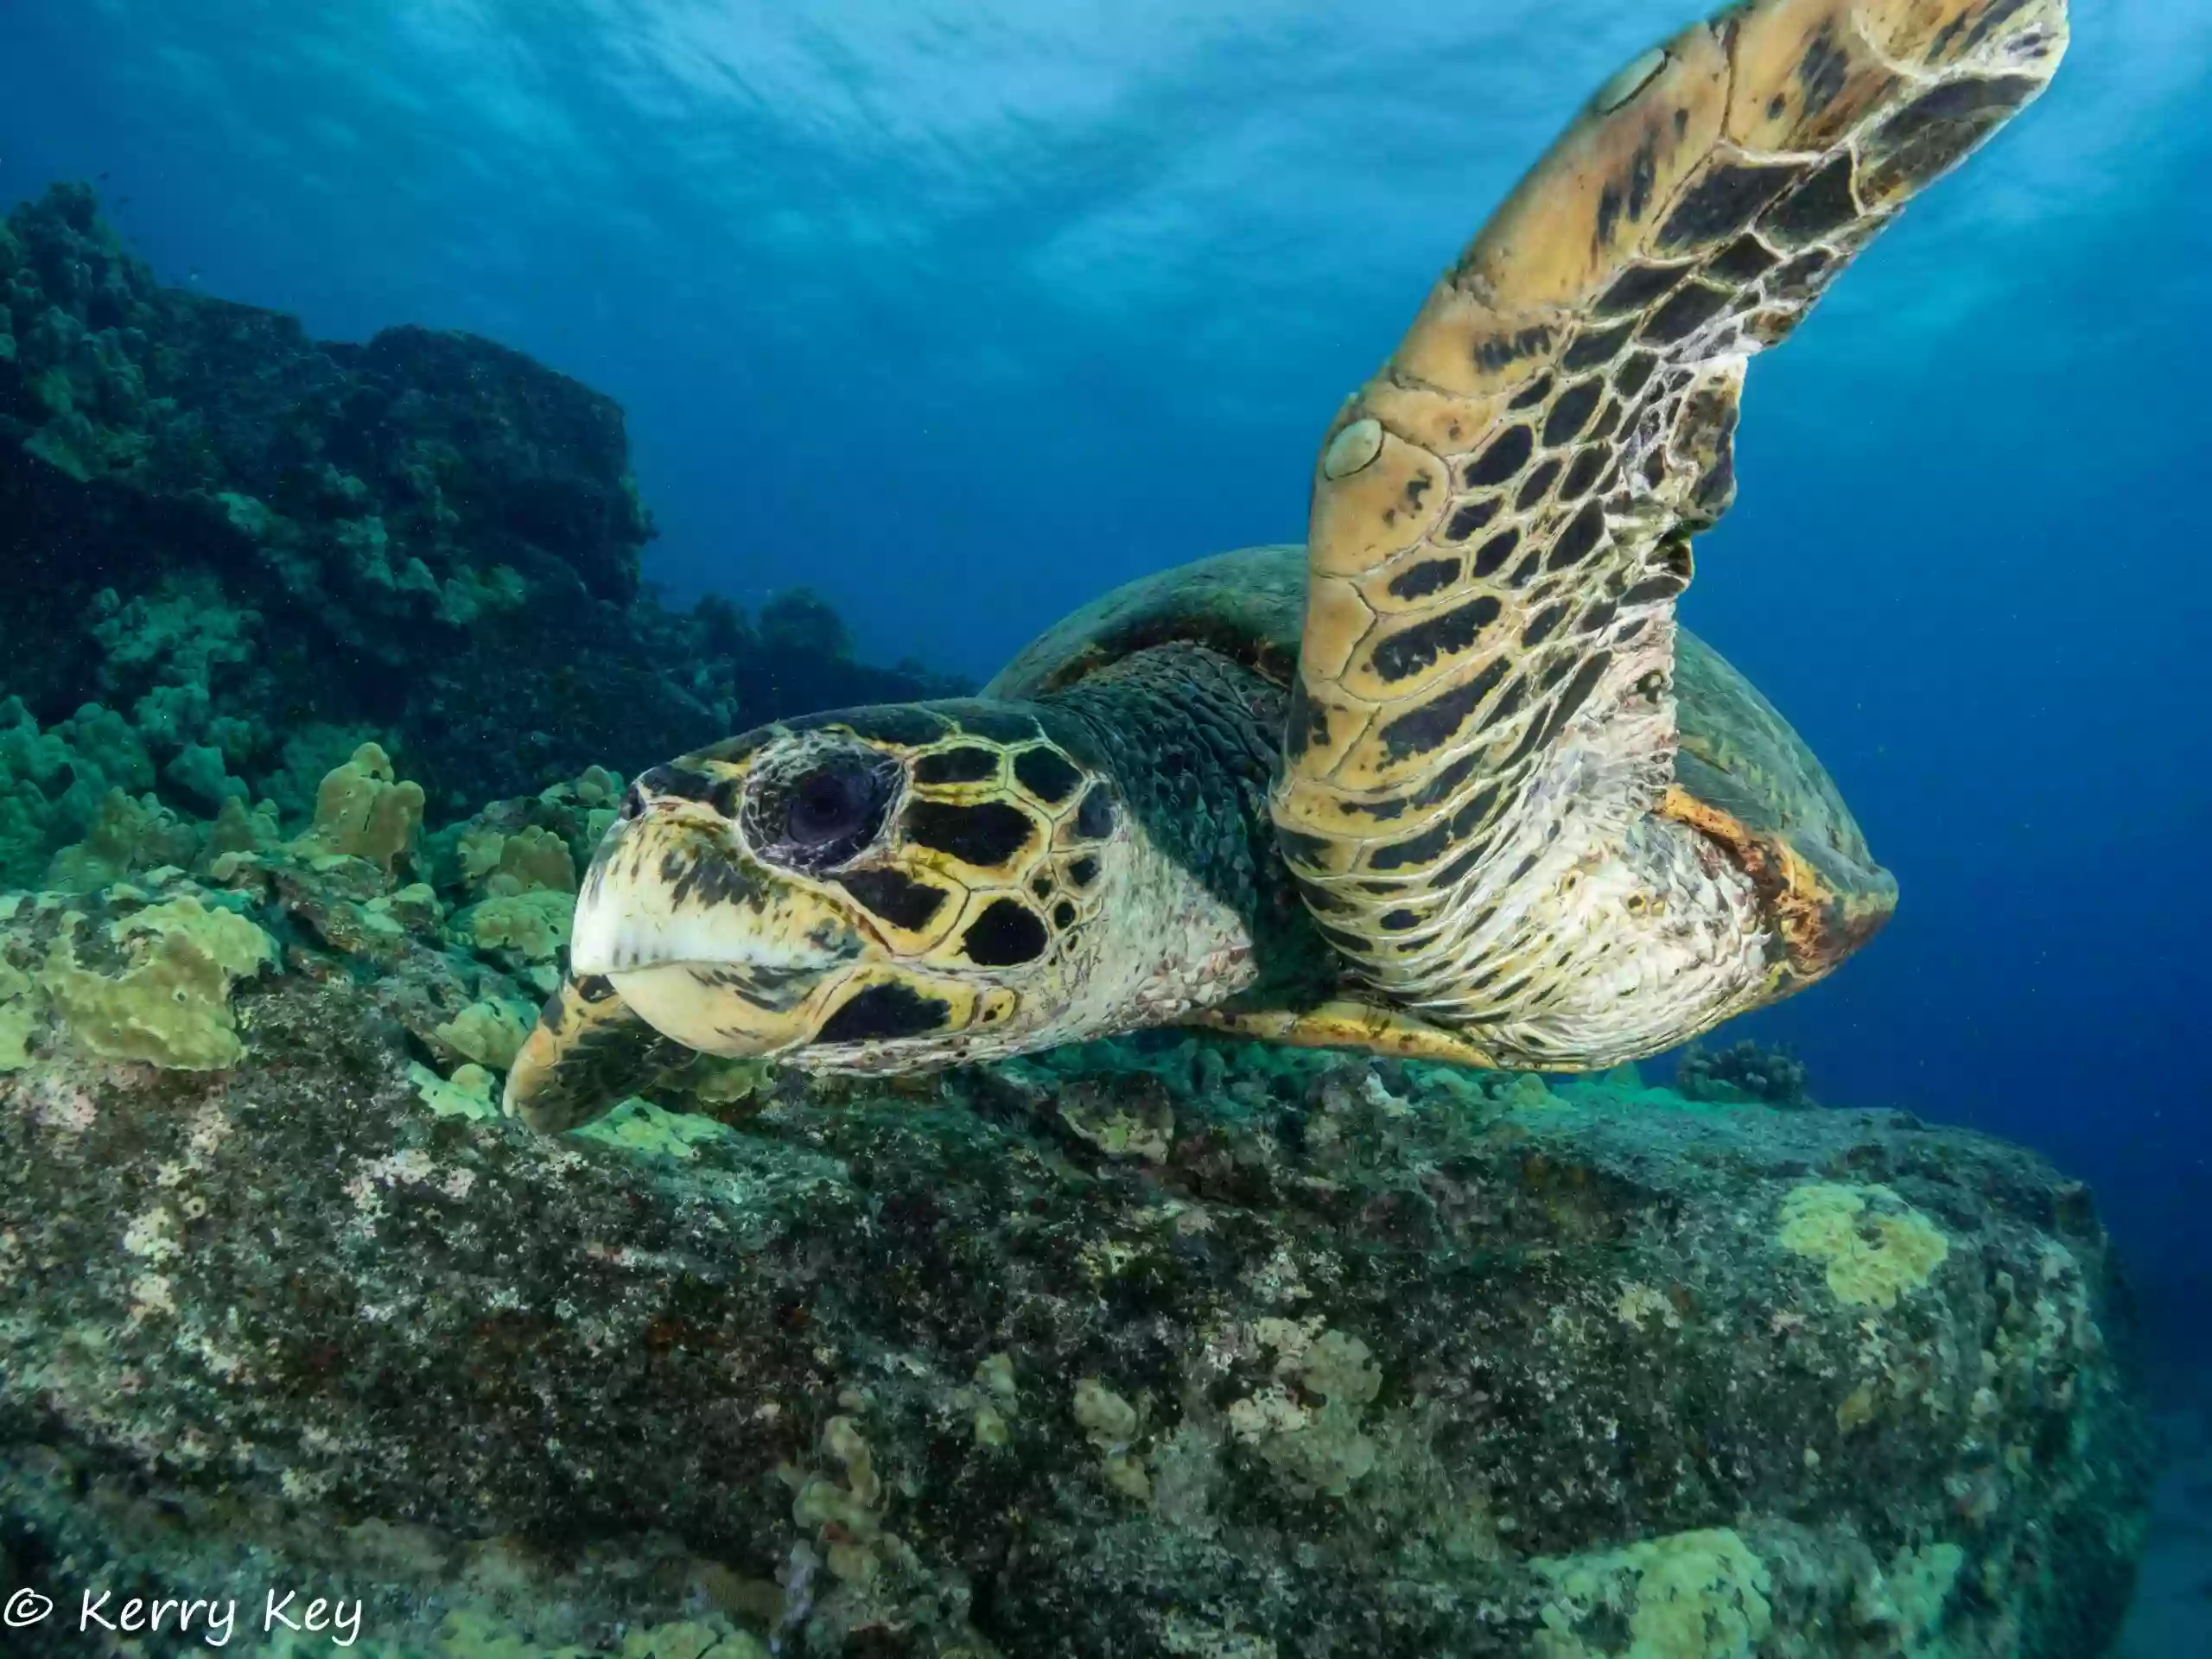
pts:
[1450, 780]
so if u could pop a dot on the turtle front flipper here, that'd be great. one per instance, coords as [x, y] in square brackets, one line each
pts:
[1483, 730]
[588, 1052]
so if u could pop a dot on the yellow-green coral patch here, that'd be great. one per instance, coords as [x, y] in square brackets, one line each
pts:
[1690, 1595]
[170, 1005]
[468, 1093]
[1875, 1246]
[640, 1126]
[490, 1032]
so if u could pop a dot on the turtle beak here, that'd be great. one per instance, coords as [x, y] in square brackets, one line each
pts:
[704, 943]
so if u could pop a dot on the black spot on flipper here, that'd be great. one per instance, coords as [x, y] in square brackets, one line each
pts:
[1572, 412]
[1652, 588]
[1470, 518]
[1579, 539]
[1687, 311]
[1301, 849]
[1047, 775]
[1532, 395]
[1597, 617]
[1745, 260]
[1822, 71]
[1596, 347]
[1803, 277]
[897, 897]
[1084, 870]
[966, 765]
[1582, 474]
[1608, 214]
[1499, 352]
[1536, 485]
[1643, 177]
[1411, 649]
[1824, 204]
[1576, 694]
[1726, 200]
[1508, 454]
[1007, 933]
[885, 1011]
[1306, 722]
[1638, 286]
[1428, 576]
[1319, 897]
[1420, 731]
[1400, 920]
[1494, 553]
[1508, 705]
[1541, 626]
[1094, 819]
[1417, 851]
[1634, 373]
[986, 836]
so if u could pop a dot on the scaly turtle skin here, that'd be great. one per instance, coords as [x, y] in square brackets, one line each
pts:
[1451, 781]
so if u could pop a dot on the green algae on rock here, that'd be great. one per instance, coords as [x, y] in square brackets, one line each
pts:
[1163, 1346]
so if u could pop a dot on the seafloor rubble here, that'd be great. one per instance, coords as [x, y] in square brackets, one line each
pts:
[1161, 1347]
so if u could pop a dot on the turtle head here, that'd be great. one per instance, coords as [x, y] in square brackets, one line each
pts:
[876, 889]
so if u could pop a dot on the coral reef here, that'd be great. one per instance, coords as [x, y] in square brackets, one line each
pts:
[1162, 1347]
[233, 554]
[1744, 1071]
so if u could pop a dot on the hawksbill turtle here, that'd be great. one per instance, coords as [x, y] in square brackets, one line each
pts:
[1450, 780]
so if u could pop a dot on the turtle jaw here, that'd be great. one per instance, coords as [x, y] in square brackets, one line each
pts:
[707, 945]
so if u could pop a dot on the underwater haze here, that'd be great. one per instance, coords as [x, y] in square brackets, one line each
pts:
[958, 312]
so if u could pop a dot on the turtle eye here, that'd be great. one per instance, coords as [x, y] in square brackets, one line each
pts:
[817, 819]
[828, 804]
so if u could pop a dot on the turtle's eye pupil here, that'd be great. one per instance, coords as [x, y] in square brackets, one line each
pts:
[828, 805]
[817, 819]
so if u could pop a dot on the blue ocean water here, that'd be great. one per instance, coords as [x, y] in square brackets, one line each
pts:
[961, 310]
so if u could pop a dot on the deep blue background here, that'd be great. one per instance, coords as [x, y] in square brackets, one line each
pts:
[961, 312]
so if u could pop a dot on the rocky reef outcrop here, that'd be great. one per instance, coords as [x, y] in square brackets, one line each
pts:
[230, 554]
[1161, 1347]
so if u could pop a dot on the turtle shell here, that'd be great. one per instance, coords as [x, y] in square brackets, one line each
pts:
[1742, 774]
[1249, 606]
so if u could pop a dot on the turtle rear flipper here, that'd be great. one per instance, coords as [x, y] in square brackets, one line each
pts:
[587, 1052]
[1482, 733]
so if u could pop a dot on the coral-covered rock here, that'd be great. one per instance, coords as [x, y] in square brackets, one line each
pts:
[1160, 1347]
[248, 552]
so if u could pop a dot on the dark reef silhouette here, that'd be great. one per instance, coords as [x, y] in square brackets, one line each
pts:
[254, 551]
